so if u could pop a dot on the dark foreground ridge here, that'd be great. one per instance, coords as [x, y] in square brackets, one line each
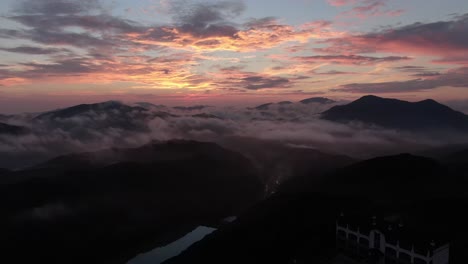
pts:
[72, 210]
[299, 225]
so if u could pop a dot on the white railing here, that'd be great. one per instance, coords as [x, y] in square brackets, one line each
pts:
[440, 256]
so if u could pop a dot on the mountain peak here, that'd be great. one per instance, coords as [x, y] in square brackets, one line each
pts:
[110, 103]
[398, 114]
[263, 106]
[370, 97]
[319, 100]
[432, 101]
[86, 108]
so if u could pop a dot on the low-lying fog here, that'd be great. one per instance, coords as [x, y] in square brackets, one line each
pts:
[114, 124]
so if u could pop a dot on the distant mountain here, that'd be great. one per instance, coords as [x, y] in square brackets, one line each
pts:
[162, 115]
[286, 111]
[318, 100]
[396, 114]
[263, 106]
[106, 115]
[150, 105]
[126, 203]
[7, 129]
[110, 107]
[314, 100]
[15, 118]
[3, 118]
[191, 108]
[206, 116]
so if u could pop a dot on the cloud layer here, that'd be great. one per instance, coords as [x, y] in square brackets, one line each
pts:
[87, 128]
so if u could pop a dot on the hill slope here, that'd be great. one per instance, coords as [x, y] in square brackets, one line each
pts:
[109, 211]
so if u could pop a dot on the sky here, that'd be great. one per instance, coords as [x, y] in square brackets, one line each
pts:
[55, 53]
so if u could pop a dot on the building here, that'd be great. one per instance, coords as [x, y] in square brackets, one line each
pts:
[388, 242]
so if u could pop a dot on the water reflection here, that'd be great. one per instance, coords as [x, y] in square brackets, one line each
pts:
[161, 254]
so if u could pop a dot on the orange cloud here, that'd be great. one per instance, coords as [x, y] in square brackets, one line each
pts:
[350, 59]
[256, 36]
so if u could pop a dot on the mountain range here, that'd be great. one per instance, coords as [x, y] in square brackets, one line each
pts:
[423, 116]
[271, 166]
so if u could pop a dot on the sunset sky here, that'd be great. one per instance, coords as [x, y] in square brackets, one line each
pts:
[54, 53]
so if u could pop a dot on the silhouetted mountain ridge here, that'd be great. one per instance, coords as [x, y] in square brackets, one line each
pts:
[152, 152]
[427, 115]
[263, 106]
[299, 227]
[105, 115]
[206, 116]
[191, 108]
[313, 100]
[319, 100]
[400, 170]
[98, 108]
[8, 129]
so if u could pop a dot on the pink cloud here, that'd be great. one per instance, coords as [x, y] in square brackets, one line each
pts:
[459, 60]
[366, 8]
[350, 59]
[341, 2]
[447, 39]
[453, 78]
